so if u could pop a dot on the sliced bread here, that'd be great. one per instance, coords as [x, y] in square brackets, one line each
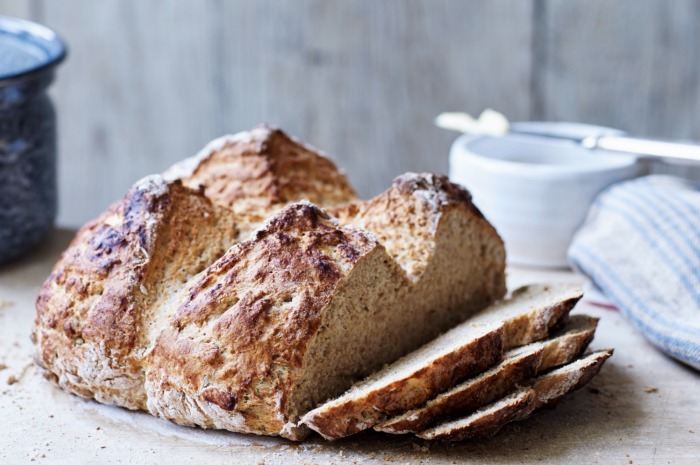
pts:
[469, 395]
[518, 365]
[425, 373]
[542, 391]
[461, 352]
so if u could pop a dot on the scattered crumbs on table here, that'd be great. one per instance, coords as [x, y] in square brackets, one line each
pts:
[12, 379]
[5, 304]
[651, 390]
[691, 431]
[2, 366]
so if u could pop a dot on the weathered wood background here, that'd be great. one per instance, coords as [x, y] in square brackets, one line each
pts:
[148, 83]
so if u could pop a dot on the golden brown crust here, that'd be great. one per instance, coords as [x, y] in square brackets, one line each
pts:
[89, 318]
[256, 172]
[407, 216]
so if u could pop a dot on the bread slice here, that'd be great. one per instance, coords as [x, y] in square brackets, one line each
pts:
[544, 390]
[532, 311]
[518, 365]
[553, 386]
[569, 342]
[420, 376]
[488, 420]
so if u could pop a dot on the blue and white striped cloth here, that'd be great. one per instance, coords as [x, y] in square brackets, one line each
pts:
[640, 245]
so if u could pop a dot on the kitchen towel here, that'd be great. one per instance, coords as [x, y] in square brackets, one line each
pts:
[640, 245]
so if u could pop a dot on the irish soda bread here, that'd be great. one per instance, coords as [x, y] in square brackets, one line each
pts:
[223, 294]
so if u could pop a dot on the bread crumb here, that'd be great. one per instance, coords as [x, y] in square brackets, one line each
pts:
[419, 448]
[651, 390]
[12, 380]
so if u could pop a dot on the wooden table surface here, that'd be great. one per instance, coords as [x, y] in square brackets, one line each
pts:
[643, 408]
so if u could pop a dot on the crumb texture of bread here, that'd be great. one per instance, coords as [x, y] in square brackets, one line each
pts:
[217, 293]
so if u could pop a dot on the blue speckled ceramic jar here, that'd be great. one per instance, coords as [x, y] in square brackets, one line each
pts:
[29, 54]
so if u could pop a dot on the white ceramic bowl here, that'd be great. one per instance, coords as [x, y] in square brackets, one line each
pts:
[536, 190]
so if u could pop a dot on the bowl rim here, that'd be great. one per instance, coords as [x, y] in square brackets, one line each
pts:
[605, 162]
[41, 36]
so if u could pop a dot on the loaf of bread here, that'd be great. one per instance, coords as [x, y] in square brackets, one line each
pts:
[248, 288]
[249, 284]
